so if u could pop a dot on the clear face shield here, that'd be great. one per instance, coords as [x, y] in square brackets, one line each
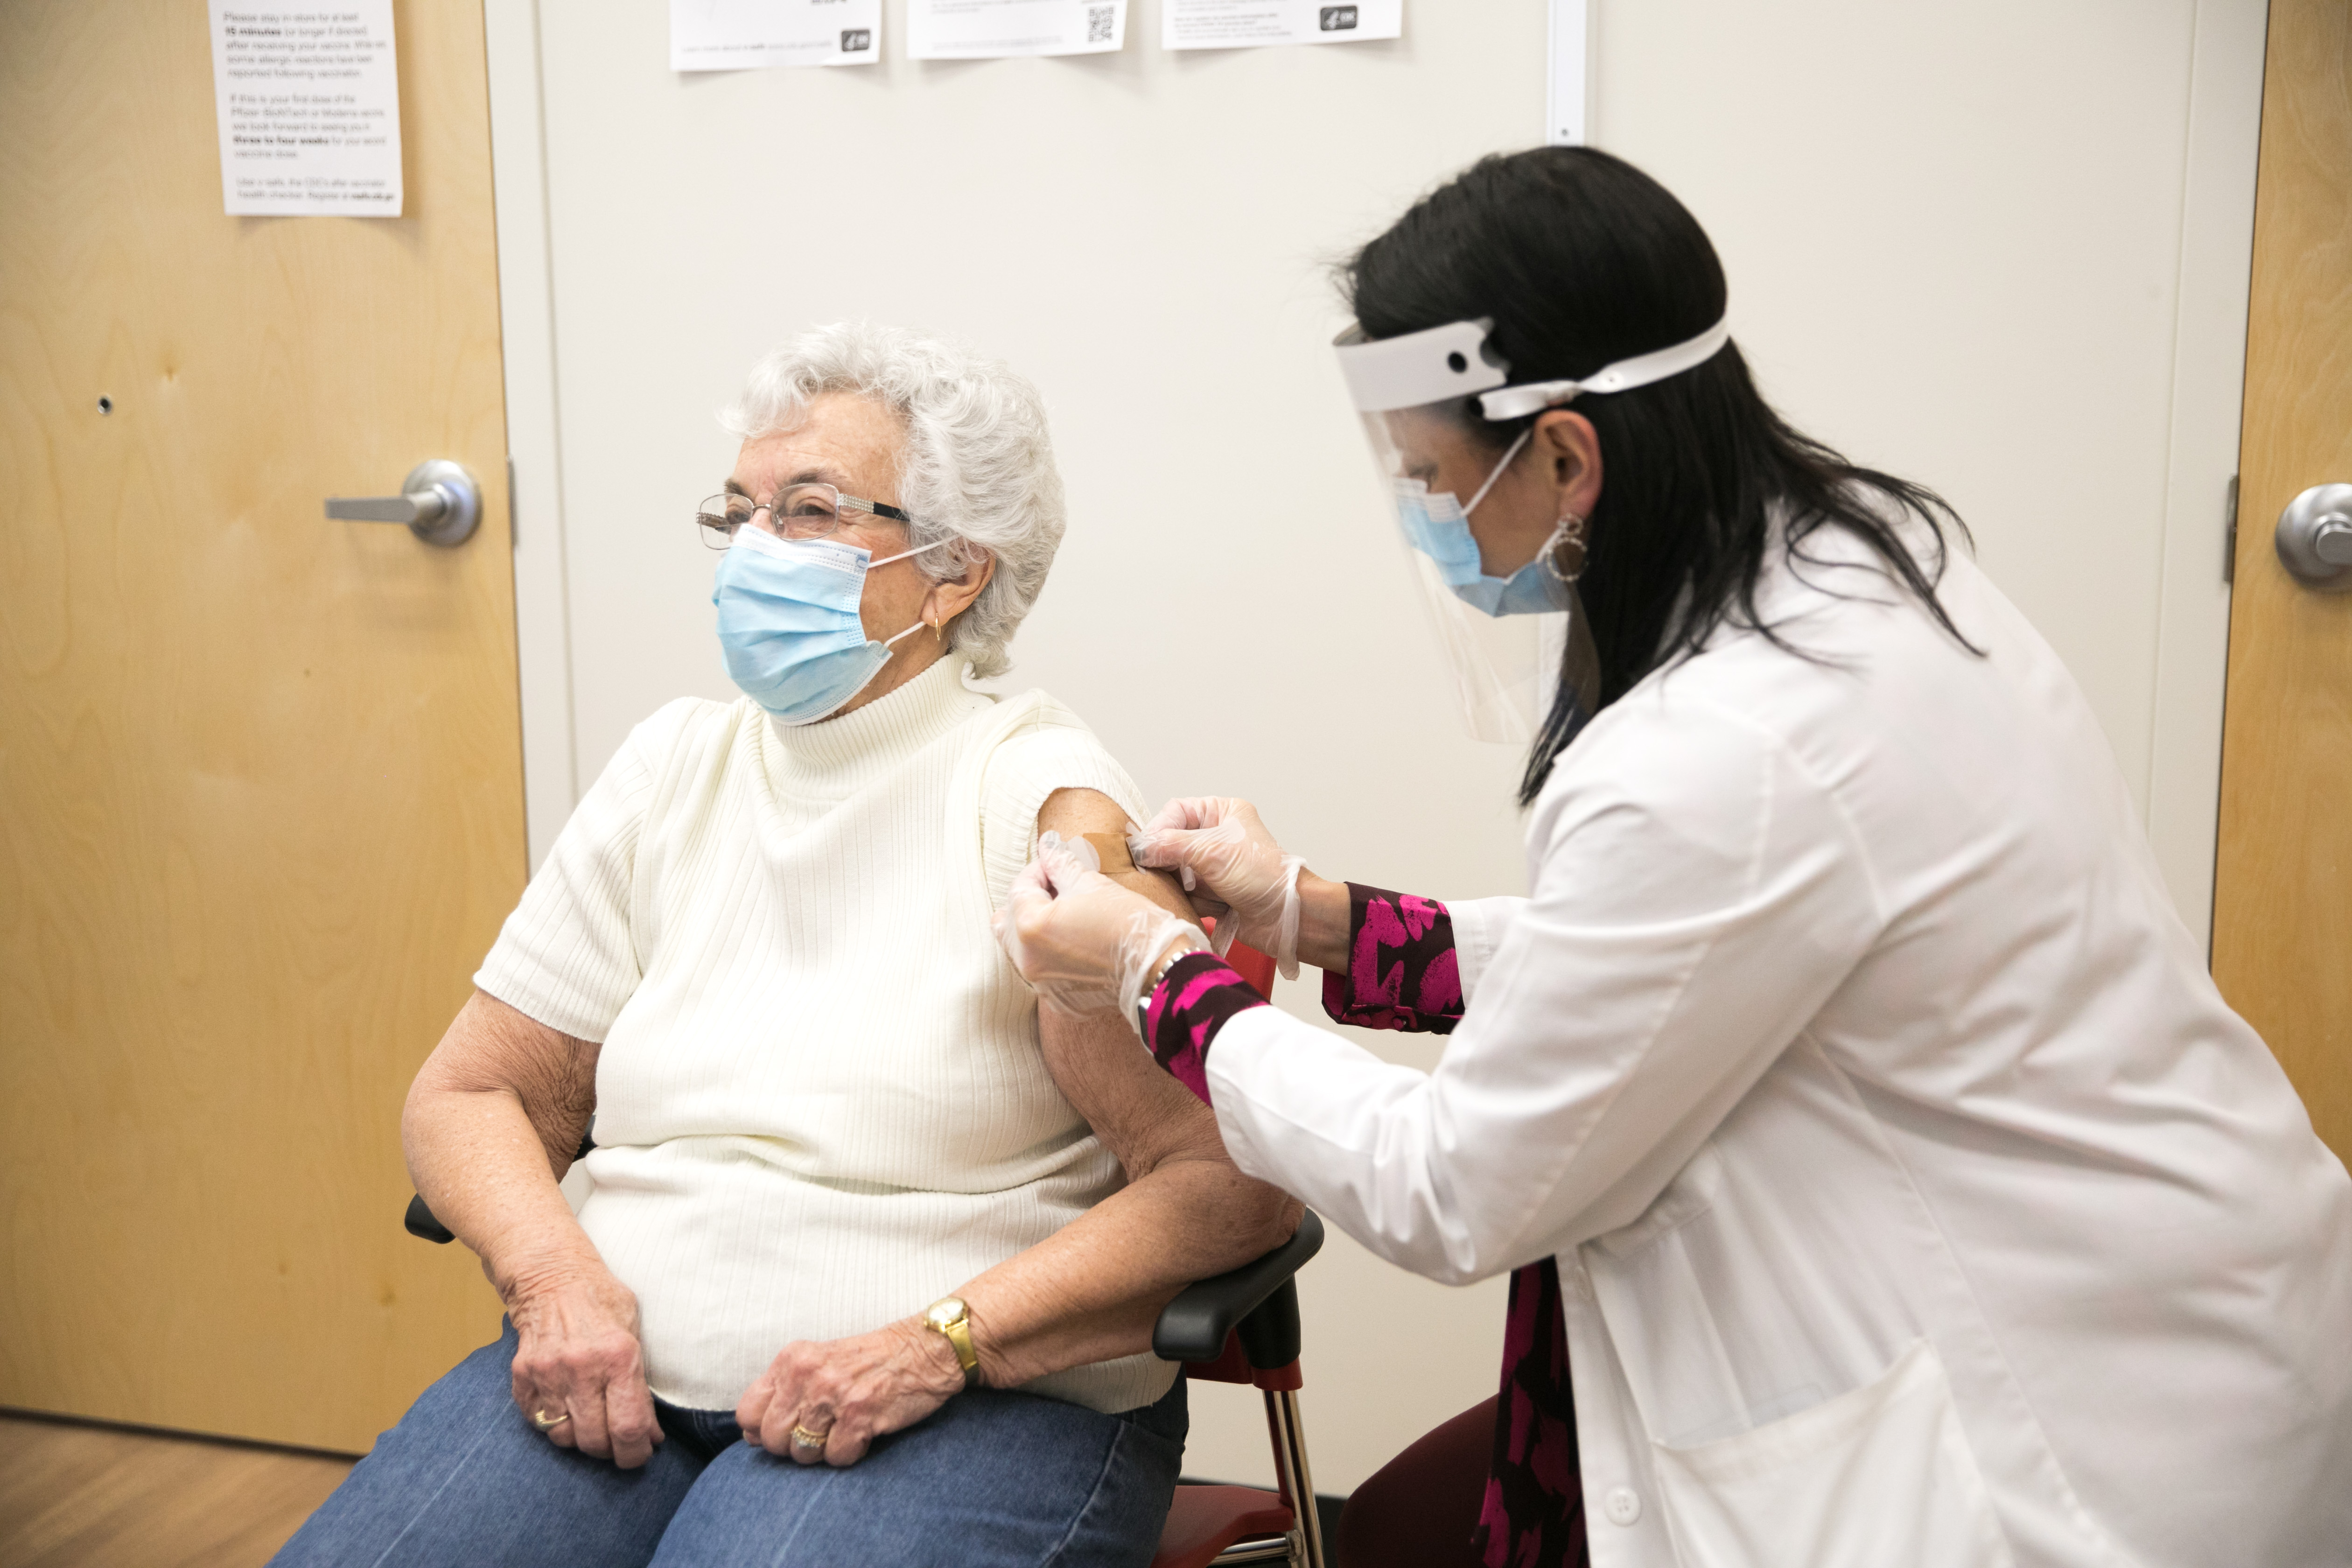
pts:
[1427, 400]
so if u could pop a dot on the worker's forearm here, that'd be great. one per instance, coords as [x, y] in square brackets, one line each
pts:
[1092, 1290]
[1322, 922]
[483, 1170]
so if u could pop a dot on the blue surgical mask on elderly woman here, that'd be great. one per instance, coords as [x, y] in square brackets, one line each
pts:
[1438, 525]
[789, 626]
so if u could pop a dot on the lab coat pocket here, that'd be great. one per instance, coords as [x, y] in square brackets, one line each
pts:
[1877, 1478]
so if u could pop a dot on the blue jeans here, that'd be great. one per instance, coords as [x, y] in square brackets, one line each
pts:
[994, 1477]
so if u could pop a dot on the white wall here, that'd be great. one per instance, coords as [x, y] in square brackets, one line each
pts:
[2003, 250]
[2000, 250]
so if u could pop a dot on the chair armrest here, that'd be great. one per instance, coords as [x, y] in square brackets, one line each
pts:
[1194, 1326]
[420, 1221]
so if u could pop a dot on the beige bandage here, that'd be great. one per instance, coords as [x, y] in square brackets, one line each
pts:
[1112, 848]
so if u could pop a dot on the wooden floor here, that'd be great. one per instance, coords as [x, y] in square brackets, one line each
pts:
[82, 1497]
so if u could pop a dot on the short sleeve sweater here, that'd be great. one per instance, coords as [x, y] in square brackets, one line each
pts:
[821, 1104]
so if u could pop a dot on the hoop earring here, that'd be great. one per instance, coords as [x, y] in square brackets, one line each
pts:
[1568, 529]
[940, 631]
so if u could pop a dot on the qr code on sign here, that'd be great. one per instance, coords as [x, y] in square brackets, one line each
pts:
[1098, 24]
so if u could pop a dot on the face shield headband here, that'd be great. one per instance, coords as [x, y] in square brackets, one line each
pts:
[1503, 640]
[1454, 361]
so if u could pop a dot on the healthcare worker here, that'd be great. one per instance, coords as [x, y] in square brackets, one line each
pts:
[1887, 1183]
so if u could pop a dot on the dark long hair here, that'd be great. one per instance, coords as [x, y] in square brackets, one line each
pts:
[1580, 259]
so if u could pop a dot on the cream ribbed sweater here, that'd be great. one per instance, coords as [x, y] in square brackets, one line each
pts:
[821, 1104]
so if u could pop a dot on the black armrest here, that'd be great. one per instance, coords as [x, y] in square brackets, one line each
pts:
[1258, 1299]
[419, 1219]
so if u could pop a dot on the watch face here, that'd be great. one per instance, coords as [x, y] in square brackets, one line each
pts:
[942, 1313]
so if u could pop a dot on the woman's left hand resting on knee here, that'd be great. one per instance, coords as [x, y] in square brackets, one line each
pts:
[852, 1390]
[490, 1127]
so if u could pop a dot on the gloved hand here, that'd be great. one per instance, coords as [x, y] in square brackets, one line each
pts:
[1082, 940]
[1222, 849]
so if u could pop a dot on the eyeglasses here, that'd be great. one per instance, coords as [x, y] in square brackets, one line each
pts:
[797, 511]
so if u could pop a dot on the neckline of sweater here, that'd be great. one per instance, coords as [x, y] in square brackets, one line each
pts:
[834, 757]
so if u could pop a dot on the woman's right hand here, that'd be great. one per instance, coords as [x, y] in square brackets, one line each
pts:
[1222, 849]
[581, 1365]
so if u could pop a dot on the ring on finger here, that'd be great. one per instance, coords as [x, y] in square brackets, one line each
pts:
[804, 1438]
[547, 1422]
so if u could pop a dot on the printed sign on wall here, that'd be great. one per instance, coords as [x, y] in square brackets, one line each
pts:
[1243, 24]
[308, 100]
[741, 35]
[997, 29]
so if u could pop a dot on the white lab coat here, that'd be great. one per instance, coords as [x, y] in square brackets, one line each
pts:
[1918, 1201]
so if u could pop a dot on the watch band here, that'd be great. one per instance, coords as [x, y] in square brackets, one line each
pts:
[1142, 1019]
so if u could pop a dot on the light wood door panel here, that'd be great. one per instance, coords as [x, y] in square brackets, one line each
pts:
[2283, 886]
[262, 776]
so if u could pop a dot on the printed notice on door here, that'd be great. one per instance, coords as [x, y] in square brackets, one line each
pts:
[995, 29]
[1245, 23]
[742, 35]
[308, 98]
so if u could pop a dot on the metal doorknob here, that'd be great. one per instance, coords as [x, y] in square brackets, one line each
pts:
[2315, 538]
[439, 501]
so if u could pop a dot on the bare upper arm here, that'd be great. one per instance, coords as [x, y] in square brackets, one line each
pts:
[491, 1047]
[1084, 813]
[1144, 1115]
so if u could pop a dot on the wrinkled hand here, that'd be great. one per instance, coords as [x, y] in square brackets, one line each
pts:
[852, 1391]
[1082, 940]
[581, 1359]
[1221, 848]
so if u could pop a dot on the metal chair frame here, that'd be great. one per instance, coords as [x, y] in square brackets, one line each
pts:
[1243, 1327]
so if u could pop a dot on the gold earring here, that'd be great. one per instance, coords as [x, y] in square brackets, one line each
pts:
[939, 630]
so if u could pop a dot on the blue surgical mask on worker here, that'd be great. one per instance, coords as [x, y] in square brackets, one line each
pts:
[789, 626]
[1438, 525]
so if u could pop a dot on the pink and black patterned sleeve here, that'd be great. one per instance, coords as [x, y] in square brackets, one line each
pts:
[1199, 994]
[1403, 973]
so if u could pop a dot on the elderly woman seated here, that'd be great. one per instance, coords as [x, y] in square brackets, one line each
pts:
[871, 1251]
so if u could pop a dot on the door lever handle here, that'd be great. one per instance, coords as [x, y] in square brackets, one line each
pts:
[427, 507]
[438, 502]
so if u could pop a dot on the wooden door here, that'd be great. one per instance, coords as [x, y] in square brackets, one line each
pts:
[2283, 889]
[260, 773]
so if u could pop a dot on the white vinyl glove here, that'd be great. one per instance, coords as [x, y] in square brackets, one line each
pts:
[1222, 849]
[1080, 939]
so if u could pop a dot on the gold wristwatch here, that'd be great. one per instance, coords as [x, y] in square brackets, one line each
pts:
[953, 1321]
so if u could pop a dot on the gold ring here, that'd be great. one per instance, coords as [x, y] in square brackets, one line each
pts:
[804, 1438]
[547, 1422]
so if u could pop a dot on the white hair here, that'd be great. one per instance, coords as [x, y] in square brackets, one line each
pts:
[979, 465]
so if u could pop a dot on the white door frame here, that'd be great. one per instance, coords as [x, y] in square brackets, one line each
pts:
[534, 424]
